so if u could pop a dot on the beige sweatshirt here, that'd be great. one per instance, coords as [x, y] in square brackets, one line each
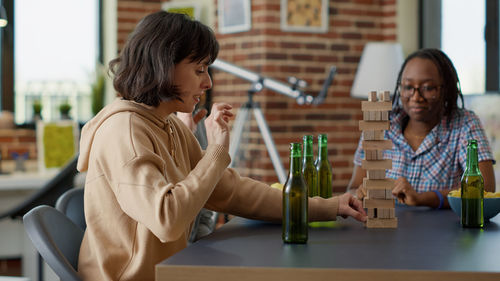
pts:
[147, 178]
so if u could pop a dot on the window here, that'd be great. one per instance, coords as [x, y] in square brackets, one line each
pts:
[462, 39]
[56, 53]
[467, 31]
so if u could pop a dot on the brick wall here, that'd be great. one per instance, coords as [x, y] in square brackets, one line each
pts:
[278, 54]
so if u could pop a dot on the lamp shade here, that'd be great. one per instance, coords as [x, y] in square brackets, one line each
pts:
[377, 69]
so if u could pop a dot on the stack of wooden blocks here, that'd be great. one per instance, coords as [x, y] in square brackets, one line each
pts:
[378, 201]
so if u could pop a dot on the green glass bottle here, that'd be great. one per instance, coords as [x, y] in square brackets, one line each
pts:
[308, 168]
[472, 190]
[324, 168]
[294, 224]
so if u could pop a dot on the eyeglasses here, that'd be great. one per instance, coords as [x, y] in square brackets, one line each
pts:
[427, 92]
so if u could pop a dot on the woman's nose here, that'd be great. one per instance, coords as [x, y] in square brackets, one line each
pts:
[207, 82]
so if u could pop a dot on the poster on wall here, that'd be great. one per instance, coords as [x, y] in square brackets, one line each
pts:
[304, 15]
[234, 16]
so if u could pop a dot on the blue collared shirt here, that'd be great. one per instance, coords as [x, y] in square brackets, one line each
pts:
[440, 160]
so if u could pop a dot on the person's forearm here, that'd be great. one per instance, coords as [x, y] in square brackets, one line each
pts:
[431, 199]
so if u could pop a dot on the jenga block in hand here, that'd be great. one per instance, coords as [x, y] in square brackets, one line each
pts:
[378, 184]
[384, 164]
[376, 144]
[382, 223]
[378, 203]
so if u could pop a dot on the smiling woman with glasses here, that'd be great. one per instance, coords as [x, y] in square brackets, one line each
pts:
[429, 132]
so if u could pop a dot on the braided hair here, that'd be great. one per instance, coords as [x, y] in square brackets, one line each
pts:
[451, 85]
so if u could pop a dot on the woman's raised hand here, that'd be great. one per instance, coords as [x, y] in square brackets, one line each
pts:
[217, 124]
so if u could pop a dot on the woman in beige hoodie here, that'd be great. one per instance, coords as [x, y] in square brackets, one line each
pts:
[147, 176]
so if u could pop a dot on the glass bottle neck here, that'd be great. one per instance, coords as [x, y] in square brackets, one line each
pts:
[295, 165]
[322, 152]
[308, 153]
[472, 162]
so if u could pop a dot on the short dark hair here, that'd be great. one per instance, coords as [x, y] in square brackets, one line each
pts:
[448, 73]
[143, 72]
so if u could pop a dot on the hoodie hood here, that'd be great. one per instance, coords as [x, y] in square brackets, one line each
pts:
[117, 106]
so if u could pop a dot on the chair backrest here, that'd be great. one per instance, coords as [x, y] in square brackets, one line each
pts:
[71, 204]
[56, 238]
[48, 194]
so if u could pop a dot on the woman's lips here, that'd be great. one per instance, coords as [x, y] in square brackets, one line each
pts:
[418, 109]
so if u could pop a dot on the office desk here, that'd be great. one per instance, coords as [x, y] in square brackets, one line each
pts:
[427, 245]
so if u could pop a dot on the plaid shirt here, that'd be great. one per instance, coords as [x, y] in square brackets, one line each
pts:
[440, 160]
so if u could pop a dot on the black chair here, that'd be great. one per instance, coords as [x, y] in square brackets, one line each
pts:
[48, 194]
[71, 204]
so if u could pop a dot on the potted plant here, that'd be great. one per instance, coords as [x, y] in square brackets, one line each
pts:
[37, 110]
[64, 109]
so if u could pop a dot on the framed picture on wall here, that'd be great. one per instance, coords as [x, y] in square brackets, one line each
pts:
[190, 8]
[234, 16]
[304, 15]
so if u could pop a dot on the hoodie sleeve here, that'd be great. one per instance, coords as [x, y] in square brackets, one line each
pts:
[252, 199]
[151, 188]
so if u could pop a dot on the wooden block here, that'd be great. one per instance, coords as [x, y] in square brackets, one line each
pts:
[375, 194]
[384, 164]
[375, 174]
[384, 213]
[388, 193]
[384, 116]
[366, 115]
[368, 135]
[386, 96]
[373, 125]
[376, 144]
[378, 135]
[380, 154]
[373, 135]
[371, 213]
[376, 106]
[381, 223]
[378, 203]
[378, 184]
[370, 154]
[374, 115]
[372, 96]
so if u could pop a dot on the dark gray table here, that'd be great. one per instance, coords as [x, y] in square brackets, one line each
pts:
[427, 244]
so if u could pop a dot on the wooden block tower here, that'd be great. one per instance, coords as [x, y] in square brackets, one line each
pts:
[378, 199]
